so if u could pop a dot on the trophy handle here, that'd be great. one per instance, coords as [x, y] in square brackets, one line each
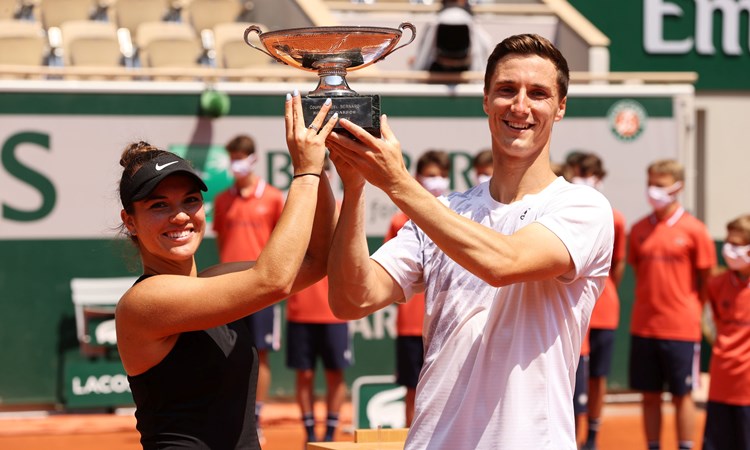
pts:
[257, 29]
[411, 28]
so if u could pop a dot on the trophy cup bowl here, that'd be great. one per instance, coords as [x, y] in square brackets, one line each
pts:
[332, 52]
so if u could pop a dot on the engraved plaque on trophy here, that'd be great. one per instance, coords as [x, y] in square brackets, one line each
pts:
[332, 52]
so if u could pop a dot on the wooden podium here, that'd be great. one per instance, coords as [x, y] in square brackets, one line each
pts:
[382, 439]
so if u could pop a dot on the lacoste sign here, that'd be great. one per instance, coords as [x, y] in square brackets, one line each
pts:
[104, 384]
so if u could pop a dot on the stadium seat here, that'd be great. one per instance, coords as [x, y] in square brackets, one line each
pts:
[90, 43]
[168, 44]
[232, 52]
[129, 14]
[205, 14]
[54, 12]
[8, 9]
[22, 43]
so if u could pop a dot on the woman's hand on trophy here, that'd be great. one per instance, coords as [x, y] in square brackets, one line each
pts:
[307, 144]
[379, 160]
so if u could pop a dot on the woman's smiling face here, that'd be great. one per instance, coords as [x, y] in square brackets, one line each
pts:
[170, 222]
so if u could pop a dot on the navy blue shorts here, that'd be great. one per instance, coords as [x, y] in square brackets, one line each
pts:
[305, 342]
[581, 392]
[727, 426]
[265, 328]
[409, 360]
[602, 344]
[662, 364]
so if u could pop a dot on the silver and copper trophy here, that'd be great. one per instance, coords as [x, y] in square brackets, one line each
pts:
[332, 52]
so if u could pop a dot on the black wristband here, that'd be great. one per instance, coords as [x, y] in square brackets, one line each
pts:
[305, 174]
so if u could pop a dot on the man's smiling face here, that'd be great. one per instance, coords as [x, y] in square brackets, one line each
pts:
[523, 102]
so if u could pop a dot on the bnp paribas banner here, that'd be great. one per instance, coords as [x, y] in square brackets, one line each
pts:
[59, 209]
[711, 37]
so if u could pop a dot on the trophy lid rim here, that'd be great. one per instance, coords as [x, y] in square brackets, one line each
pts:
[332, 28]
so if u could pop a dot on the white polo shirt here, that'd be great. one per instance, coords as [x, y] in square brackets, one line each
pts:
[500, 363]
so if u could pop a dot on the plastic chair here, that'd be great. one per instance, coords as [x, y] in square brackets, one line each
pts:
[129, 14]
[8, 9]
[54, 12]
[94, 300]
[90, 43]
[232, 52]
[206, 14]
[168, 44]
[22, 43]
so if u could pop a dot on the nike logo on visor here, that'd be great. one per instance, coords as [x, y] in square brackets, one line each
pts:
[158, 167]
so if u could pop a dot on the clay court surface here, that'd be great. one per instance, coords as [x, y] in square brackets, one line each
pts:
[621, 429]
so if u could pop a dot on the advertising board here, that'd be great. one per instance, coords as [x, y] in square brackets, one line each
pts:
[59, 214]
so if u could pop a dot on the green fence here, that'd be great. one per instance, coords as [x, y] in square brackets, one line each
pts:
[41, 357]
[59, 147]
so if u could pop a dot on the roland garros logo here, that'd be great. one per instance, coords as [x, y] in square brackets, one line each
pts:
[627, 119]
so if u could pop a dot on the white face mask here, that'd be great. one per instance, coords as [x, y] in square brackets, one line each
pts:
[243, 167]
[659, 197]
[436, 185]
[736, 256]
[481, 178]
[591, 181]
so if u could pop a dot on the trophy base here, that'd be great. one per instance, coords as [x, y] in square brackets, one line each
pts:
[363, 110]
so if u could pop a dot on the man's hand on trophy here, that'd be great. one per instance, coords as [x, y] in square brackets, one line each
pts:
[348, 175]
[306, 144]
[379, 160]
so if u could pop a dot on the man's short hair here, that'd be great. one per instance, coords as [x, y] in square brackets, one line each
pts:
[575, 157]
[667, 167]
[591, 165]
[438, 157]
[529, 44]
[242, 143]
[483, 158]
[742, 225]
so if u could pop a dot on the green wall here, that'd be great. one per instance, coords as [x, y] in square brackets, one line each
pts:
[37, 322]
[37, 325]
[623, 23]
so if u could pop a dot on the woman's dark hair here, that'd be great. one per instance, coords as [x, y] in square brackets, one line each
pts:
[133, 157]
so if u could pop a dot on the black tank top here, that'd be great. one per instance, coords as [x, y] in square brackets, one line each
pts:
[202, 394]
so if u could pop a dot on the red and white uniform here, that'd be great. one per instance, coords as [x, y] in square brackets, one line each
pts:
[730, 361]
[666, 255]
[410, 315]
[310, 305]
[606, 315]
[244, 224]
